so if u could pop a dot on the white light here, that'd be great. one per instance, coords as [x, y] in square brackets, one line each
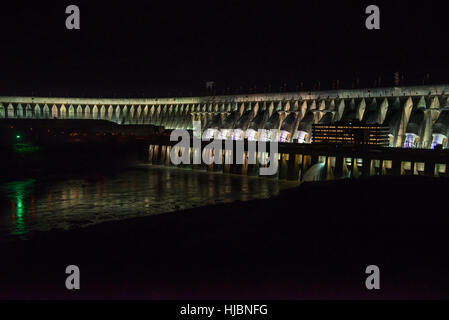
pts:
[238, 134]
[284, 136]
[438, 138]
[266, 135]
[410, 139]
[226, 134]
[209, 134]
[302, 136]
[252, 134]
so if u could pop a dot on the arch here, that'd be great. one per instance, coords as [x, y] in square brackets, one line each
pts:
[124, 115]
[165, 114]
[79, 112]
[174, 117]
[145, 115]
[203, 120]
[2, 111]
[103, 112]
[151, 117]
[87, 114]
[157, 121]
[139, 115]
[46, 113]
[110, 112]
[95, 112]
[19, 111]
[131, 115]
[168, 117]
[118, 114]
[71, 112]
[11, 113]
[37, 112]
[28, 112]
[186, 117]
[63, 112]
[178, 117]
[54, 111]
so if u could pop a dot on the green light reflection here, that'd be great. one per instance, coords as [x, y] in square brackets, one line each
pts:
[18, 192]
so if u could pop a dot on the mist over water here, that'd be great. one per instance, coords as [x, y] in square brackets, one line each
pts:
[60, 203]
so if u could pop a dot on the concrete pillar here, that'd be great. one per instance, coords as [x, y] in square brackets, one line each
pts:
[157, 155]
[377, 167]
[183, 151]
[268, 164]
[191, 157]
[329, 174]
[429, 168]
[167, 157]
[367, 167]
[150, 153]
[227, 155]
[212, 155]
[195, 153]
[145, 153]
[163, 154]
[406, 111]
[294, 166]
[219, 154]
[235, 168]
[338, 170]
[253, 169]
[245, 163]
[397, 164]
[283, 166]
[307, 163]
[355, 172]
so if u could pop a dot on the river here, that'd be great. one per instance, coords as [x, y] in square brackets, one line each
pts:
[61, 203]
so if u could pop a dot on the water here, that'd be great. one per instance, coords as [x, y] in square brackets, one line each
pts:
[46, 204]
[315, 173]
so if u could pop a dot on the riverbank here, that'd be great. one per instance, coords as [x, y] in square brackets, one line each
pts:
[310, 242]
[33, 148]
[23, 161]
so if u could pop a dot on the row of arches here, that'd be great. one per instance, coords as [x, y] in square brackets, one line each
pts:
[170, 117]
[293, 118]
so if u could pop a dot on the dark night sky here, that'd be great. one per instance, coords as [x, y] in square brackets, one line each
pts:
[134, 48]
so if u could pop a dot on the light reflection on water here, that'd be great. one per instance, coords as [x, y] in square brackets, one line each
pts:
[32, 205]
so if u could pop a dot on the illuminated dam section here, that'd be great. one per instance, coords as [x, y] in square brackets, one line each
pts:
[417, 117]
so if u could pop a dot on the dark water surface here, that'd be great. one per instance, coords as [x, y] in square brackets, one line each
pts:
[33, 205]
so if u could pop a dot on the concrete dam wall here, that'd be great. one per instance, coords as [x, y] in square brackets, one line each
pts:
[417, 117]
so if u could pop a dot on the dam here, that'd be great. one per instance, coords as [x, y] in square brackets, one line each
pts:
[416, 120]
[417, 117]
